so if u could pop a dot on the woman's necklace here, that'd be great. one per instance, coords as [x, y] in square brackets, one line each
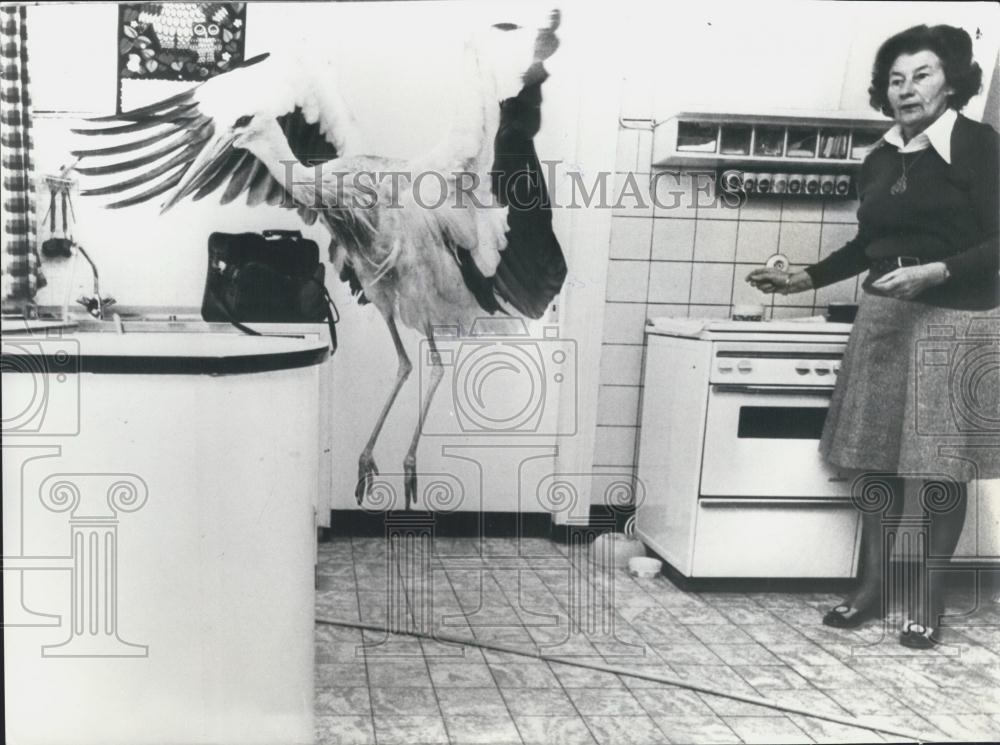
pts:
[900, 186]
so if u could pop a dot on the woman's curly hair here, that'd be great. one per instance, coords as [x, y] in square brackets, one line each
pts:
[952, 45]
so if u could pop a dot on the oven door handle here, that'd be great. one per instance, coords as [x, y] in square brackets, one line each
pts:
[774, 502]
[789, 389]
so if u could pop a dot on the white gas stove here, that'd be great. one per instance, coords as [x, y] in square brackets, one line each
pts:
[734, 483]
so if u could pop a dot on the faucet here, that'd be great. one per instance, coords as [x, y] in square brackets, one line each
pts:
[95, 305]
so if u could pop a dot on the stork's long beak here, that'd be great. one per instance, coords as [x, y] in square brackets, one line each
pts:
[202, 169]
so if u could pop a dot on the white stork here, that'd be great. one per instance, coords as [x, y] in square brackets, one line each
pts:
[490, 247]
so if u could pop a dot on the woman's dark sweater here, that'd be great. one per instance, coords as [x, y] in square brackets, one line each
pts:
[948, 213]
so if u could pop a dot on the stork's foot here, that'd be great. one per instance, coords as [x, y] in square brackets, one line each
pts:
[367, 471]
[410, 479]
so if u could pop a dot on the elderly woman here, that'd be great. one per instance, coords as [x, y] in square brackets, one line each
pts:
[917, 397]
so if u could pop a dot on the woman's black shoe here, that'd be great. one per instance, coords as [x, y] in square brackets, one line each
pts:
[847, 617]
[917, 636]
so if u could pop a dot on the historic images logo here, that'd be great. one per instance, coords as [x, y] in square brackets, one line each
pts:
[95, 502]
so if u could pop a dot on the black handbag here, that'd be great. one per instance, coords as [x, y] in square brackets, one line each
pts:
[270, 277]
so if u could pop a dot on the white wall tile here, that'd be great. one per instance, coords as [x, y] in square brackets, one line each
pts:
[675, 194]
[630, 196]
[630, 238]
[761, 208]
[713, 205]
[621, 364]
[615, 446]
[834, 236]
[709, 311]
[667, 310]
[605, 483]
[743, 292]
[627, 281]
[645, 154]
[757, 241]
[791, 312]
[711, 283]
[799, 241]
[618, 404]
[673, 239]
[802, 209]
[805, 299]
[844, 291]
[669, 281]
[840, 210]
[627, 156]
[715, 240]
[624, 323]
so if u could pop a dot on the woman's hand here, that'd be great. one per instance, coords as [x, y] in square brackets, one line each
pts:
[907, 282]
[770, 281]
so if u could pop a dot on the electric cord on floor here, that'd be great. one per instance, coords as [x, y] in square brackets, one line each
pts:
[448, 639]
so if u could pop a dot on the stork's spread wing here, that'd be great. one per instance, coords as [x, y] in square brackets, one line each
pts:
[180, 144]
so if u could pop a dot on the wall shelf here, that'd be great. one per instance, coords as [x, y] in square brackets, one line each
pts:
[800, 154]
[831, 142]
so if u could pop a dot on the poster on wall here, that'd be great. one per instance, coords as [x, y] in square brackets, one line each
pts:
[180, 42]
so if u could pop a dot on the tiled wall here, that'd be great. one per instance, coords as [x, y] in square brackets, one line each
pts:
[686, 254]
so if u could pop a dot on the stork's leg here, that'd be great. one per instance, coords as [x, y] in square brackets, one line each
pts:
[367, 470]
[410, 461]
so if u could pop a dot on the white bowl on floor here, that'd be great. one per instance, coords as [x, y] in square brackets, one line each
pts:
[644, 567]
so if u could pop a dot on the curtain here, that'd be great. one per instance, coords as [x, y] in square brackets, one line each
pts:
[22, 270]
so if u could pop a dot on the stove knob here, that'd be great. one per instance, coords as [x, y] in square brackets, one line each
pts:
[836, 368]
[744, 366]
[802, 368]
[725, 367]
[822, 369]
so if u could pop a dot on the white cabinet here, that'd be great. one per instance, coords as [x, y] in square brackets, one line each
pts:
[159, 539]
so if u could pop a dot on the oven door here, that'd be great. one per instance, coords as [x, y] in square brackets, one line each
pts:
[762, 441]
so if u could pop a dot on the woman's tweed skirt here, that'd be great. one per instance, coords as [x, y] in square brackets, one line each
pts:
[918, 393]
